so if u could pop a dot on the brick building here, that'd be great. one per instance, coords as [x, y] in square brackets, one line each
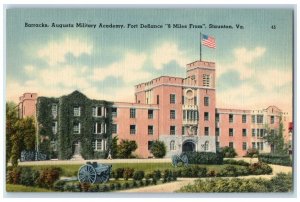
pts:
[182, 113]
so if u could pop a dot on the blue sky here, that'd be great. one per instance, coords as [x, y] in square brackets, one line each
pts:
[254, 64]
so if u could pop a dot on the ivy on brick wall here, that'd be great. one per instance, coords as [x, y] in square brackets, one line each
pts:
[65, 119]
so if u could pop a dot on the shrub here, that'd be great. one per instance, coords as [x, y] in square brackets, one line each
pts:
[156, 174]
[192, 171]
[13, 175]
[275, 159]
[125, 148]
[59, 185]
[154, 181]
[147, 182]
[228, 152]
[260, 169]
[141, 183]
[48, 176]
[228, 171]
[134, 184]
[85, 187]
[118, 173]
[125, 185]
[158, 149]
[138, 175]
[204, 157]
[211, 173]
[94, 188]
[118, 186]
[28, 176]
[252, 152]
[234, 162]
[128, 173]
[72, 188]
[112, 187]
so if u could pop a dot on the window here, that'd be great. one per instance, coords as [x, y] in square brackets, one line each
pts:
[172, 98]
[244, 118]
[230, 118]
[114, 128]
[172, 145]
[172, 130]
[217, 131]
[54, 127]
[261, 146]
[98, 145]
[272, 120]
[257, 132]
[262, 131]
[172, 114]
[206, 116]
[258, 145]
[157, 99]
[206, 101]
[150, 130]
[114, 112]
[150, 113]
[195, 100]
[206, 146]
[231, 144]
[132, 129]
[206, 80]
[230, 131]
[218, 146]
[253, 118]
[76, 128]
[253, 132]
[97, 111]
[132, 113]
[253, 145]
[54, 110]
[76, 111]
[259, 119]
[150, 143]
[182, 100]
[183, 130]
[244, 146]
[97, 128]
[217, 117]
[206, 131]
[244, 132]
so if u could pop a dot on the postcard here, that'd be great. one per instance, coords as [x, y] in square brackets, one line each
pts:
[151, 100]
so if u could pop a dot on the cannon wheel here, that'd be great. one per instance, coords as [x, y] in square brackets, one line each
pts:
[87, 173]
[103, 177]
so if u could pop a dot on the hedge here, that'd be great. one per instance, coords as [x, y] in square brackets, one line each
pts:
[284, 160]
[280, 183]
[208, 158]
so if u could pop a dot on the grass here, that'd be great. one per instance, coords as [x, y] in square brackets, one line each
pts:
[22, 188]
[71, 170]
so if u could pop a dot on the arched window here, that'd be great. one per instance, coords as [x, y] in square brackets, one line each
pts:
[172, 145]
[206, 146]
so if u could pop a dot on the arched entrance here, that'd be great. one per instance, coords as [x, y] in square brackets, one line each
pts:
[188, 146]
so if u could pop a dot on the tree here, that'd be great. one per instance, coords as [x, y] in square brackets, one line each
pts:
[125, 148]
[114, 147]
[275, 139]
[158, 149]
[11, 119]
[23, 138]
[228, 152]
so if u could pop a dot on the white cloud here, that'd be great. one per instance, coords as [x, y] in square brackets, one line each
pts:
[167, 53]
[274, 78]
[29, 69]
[242, 62]
[130, 68]
[55, 51]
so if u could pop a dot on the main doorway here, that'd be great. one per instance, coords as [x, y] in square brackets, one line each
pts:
[188, 146]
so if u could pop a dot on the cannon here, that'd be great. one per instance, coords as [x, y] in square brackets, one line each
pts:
[94, 172]
[176, 159]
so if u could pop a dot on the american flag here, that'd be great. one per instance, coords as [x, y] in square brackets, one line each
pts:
[208, 41]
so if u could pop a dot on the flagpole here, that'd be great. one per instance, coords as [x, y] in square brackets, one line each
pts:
[200, 47]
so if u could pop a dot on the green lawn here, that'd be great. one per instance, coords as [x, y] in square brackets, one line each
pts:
[71, 170]
[22, 188]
